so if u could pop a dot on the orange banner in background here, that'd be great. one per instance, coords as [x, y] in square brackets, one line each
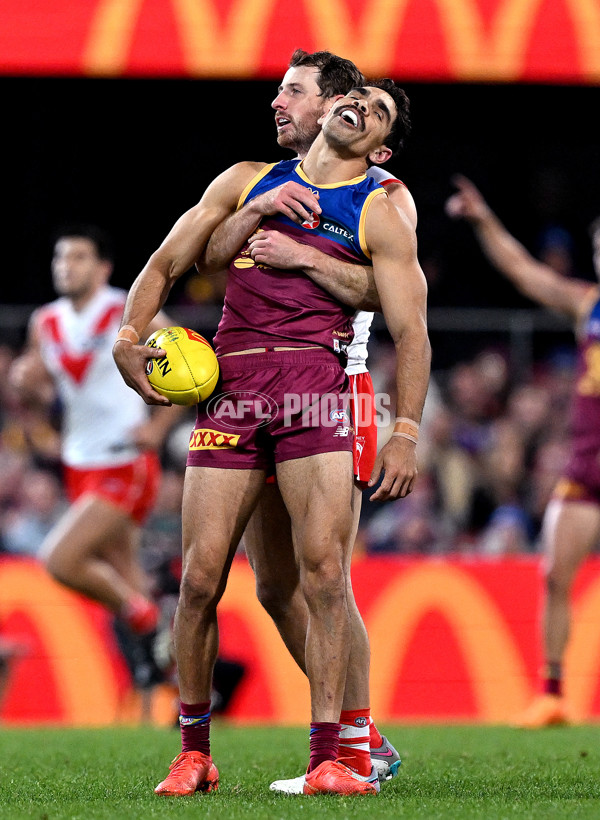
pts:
[413, 40]
[450, 641]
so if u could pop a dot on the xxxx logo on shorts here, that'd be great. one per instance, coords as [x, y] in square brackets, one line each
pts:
[212, 440]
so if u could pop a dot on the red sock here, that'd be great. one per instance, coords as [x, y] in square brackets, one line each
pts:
[141, 615]
[194, 720]
[324, 743]
[355, 739]
[375, 738]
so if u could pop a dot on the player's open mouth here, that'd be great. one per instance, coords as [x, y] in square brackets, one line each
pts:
[281, 122]
[352, 116]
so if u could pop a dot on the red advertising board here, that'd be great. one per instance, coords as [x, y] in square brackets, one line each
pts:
[413, 40]
[450, 641]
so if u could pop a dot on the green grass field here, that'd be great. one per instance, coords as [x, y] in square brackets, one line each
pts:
[447, 772]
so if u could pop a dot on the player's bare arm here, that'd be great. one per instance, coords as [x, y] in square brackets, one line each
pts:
[402, 289]
[28, 374]
[352, 284]
[534, 279]
[175, 256]
[290, 199]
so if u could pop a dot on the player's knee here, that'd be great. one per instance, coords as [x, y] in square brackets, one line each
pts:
[273, 599]
[275, 592]
[198, 589]
[57, 567]
[558, 581]
[324, 584]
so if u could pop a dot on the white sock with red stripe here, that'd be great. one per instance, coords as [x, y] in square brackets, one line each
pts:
[355, 740]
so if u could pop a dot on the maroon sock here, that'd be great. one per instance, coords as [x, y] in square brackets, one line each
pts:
[194, 720]
[324, 743]
[553, 679]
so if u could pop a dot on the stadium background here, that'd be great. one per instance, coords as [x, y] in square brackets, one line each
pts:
[121, 111]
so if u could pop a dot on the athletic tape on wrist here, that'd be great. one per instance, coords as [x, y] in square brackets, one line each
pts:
[406, 428]
[128, 334]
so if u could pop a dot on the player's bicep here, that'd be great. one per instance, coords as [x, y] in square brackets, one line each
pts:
[398, 275]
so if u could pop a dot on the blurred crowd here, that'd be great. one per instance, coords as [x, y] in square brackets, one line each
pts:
[491, 449]
[490, 452]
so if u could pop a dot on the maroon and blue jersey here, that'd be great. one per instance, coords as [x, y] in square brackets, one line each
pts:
[585, 413]
[267, 307]
[581, 476]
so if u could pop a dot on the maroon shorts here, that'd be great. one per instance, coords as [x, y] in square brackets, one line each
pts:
[581, 479]
[362, 406]
[273, 407]
[131, 487]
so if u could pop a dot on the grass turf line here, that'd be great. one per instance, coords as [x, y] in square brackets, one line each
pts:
[447, 772]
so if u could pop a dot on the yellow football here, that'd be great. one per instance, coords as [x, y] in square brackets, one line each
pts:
[189, 372]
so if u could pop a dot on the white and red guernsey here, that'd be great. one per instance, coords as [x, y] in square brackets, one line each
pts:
[99, 409]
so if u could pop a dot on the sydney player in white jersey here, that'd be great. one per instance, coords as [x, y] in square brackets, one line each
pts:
[308, 89]
[109, 440]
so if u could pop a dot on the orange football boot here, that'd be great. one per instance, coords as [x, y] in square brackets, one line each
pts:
[332, 777]
[190, 772]
[545, 710]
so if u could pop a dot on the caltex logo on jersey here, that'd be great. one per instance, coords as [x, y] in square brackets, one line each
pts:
[311, 223]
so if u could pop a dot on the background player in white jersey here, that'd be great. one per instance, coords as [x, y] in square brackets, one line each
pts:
[109, 439]
[311, 84]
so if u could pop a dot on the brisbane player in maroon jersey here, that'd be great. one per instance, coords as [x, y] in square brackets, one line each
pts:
[316, 485]
[310, 85]
[572, 518]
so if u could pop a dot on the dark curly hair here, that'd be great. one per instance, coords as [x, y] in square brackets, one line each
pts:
[336, 75]
[401, 127]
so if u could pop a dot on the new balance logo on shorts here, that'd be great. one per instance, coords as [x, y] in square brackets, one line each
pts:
[212, 440]
[342, 432]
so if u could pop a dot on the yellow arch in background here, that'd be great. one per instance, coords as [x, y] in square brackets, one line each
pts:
[234, 47]
[214, 49]
[582, 662]
[473, 53]
[500, 55]
[370, 44]
[498, 675]
[86, 687]
[288, 686]
[586, 17]
[210, 47]
[111, 33]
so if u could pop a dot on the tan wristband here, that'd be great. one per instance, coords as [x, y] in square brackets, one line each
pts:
[406, 435]
[406, 428]
[128, 334]
[400, 419]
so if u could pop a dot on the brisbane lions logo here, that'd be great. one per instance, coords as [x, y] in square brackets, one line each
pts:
[311, 223]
